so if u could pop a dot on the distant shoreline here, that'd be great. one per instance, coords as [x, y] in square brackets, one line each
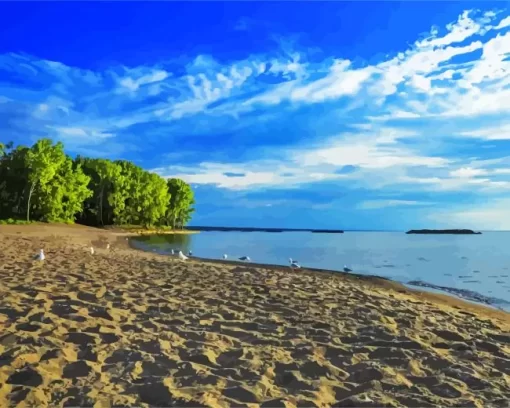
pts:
[243, 229]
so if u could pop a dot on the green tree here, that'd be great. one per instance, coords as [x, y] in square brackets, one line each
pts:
[103, 176]
[13, 181]
[42, 160]
[181, 199]
[63, 196]
[43, 183]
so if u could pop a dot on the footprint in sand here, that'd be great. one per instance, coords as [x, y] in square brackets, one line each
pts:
[500, 282]
[464, 276]
[463, 257]
[503, 276]
[422, 259]
[476, 271]
[448, 274]
[493, 276]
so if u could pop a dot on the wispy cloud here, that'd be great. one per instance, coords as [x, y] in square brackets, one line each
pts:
[377, 204]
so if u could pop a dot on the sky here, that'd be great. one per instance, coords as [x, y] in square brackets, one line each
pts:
[353, 115]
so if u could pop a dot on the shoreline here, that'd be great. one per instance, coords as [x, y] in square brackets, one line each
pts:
[377, 279]
[129, 327]
[382, 281]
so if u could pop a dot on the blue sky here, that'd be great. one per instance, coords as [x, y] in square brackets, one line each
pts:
[350, 115]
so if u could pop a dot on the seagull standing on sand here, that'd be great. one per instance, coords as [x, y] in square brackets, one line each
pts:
[173, 252]
[182, 257]
[294, 264]
[40, 256]
[92, 250]
[107, 246]
[245, 258]
[346, 269]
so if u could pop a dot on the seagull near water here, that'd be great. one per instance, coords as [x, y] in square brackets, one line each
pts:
[40, 256]
[225, 256]
[294, 263]
[182, 257]
[190, 253]
[245, 258]
[346, 269]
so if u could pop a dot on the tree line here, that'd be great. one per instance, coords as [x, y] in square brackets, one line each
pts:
[43, 183]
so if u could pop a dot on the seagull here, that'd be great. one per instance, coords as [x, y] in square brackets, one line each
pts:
[346, 269]
[92, 250]
[190, 253]
[245, 258]
[292, 260]
[182, 256]
[294, 264]
[225, 256]
[40, 256]
[107, 246]
[173, 252]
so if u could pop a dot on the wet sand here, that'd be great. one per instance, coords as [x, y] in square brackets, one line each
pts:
[127, 328]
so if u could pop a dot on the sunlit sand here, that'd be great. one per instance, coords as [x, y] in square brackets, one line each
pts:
[125, 327]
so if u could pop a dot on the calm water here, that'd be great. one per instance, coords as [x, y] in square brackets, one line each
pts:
[480, 263]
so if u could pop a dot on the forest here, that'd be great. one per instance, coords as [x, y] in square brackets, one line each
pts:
[42, 183]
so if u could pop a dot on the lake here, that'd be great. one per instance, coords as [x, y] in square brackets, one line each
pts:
[478, 263]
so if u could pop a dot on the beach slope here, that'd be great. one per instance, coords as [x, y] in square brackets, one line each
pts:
[127, 328]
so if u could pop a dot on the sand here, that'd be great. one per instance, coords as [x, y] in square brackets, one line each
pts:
[127, 328]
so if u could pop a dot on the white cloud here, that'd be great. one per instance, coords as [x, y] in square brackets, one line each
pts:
[459, 31]
[132, 84]
[468, 172]
[378, 204]
[247, 176]
[501, 132]
[493, 215]
[503, 23]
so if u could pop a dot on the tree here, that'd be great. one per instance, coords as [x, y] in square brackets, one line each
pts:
[42, 160]
[181, 199]
[43, 183]
[63, 196]
[13, 181]
[103, 176]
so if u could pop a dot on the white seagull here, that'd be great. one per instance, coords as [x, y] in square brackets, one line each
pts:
[294, 264]
[40, 256]
[92, 250]
[346, 269]
[245, 258]
[173, 252]
[190, 253]
[182, 257]
[225, 256]
[107, 246]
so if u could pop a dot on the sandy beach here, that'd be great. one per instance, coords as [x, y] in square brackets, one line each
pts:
[127, 328]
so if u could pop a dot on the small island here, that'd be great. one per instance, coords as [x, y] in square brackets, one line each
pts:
[445, 231]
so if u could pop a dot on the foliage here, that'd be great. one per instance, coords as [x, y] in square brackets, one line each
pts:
[42, 183]
[181, 199]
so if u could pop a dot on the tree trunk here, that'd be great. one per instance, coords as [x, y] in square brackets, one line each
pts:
[32, 188]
